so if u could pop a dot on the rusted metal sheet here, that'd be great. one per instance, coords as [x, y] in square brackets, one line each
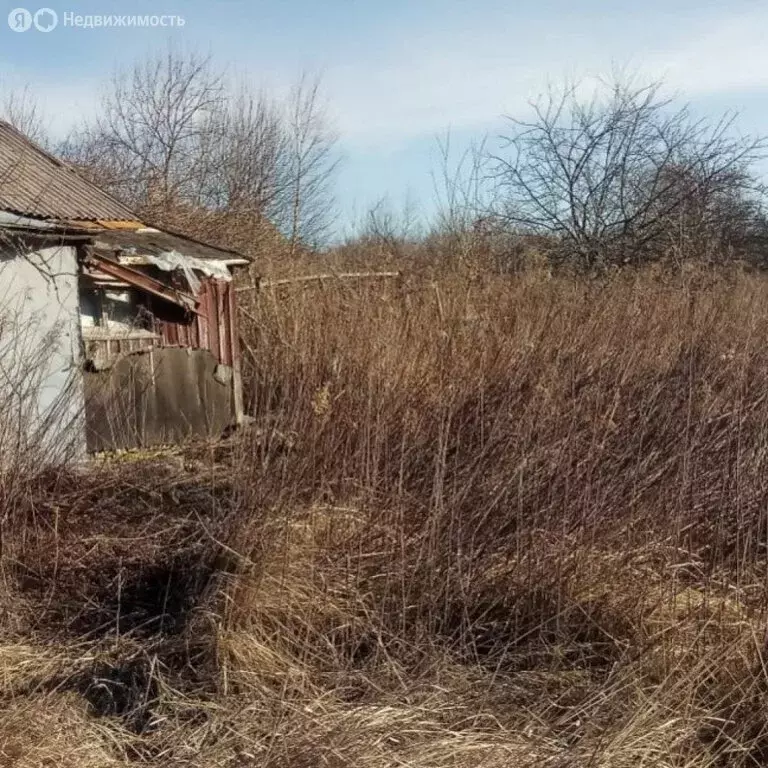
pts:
[213, 327]
[156, 396]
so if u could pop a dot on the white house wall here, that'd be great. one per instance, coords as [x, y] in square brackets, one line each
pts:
[40, 348]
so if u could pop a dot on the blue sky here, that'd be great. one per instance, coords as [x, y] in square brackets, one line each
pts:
[398, 74]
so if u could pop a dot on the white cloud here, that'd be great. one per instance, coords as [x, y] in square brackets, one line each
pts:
[421, 97]
[719, 56]
[466, 71]
[427, 85]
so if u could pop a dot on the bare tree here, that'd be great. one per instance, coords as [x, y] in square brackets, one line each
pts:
[392, 232]
[176, 142]
[461, 189]
[711, 221]
[20, 108]
[462, 198]
[147, 145]
[311, 165]
[247, 147]
[604, 176]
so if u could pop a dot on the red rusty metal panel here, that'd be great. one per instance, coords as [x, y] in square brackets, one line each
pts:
[202, 322]
[212, 327]
[214, 337]
[228, 320]
[234, 334]
[222, 322]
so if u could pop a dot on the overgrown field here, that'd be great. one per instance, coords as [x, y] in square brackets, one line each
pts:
[478, 522]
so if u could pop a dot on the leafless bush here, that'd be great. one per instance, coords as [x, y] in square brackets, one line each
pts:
[544, 480]
[311, 164]
[40, 419]
[627, 176]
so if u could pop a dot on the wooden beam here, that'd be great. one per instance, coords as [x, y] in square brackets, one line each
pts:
[142, 282]
[318, 278]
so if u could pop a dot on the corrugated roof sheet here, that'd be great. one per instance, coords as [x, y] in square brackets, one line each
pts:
[153, 241]
[34, 183]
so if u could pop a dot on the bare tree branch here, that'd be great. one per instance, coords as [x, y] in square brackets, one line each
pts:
[610, 178]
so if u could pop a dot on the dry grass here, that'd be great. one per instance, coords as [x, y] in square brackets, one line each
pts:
[479, 522]
[57, 730]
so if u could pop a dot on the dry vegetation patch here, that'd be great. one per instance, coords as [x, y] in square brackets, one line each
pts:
[477, 522]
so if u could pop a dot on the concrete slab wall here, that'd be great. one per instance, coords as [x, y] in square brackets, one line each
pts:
[41, 390]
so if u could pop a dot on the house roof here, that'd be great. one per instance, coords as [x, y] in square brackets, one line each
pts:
[40, 193]
[154, 241]
[35, 183]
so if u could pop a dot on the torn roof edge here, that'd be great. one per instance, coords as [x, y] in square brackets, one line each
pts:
[142, 281]
[22, 224]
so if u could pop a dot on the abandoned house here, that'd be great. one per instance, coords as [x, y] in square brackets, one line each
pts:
[120, 334]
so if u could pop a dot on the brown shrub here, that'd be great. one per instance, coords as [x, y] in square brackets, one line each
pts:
[478, 521]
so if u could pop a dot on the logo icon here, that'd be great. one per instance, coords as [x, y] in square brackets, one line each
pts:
[20, 19]
[46, 19]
